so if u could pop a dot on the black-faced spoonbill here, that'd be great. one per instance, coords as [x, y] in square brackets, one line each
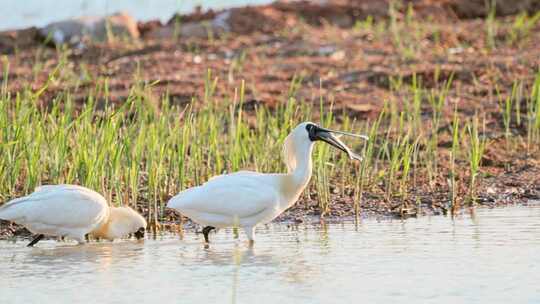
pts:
[247, 198]
[72, 211]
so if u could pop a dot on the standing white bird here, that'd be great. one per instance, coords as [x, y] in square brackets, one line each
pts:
[247, 198]
[71, 211]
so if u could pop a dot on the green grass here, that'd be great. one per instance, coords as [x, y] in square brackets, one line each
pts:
[142, 151]
[476, 147]
[522, 27]
[453, 172]
[491, 25]
[533, 115]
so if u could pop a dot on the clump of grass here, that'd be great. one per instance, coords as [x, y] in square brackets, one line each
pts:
[406, 34]
[409, 155]
[364, 25]
[363, 172]
[476, 147]
[510, 106]
[437, 101]
[521, 27]
[533, 115]
[394, 153]
[491, 25]
[236, 66]
[453, 176]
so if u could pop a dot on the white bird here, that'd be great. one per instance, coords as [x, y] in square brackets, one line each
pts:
[71, 211]
[246, 199]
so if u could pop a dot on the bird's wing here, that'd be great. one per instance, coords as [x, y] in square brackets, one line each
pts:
[230, 195]
[56, 187]
[235, 174]
[62, 205]
[36, 194]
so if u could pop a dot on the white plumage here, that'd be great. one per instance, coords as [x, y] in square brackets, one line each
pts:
[71, 211]
[246, 198]
[241, 199]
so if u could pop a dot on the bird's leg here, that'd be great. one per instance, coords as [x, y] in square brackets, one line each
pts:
[205, 232]
[35, 240]
[250, 232]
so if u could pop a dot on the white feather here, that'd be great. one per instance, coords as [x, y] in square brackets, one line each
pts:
[61, 210]
[227, 200]
[71, 211]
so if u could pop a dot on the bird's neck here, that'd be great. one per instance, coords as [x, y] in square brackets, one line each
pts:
[304, 166]
[102, 230]
[299, 175]
[109, 228]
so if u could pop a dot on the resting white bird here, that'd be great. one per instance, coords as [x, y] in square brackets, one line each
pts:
[71, 211]
[246, 198]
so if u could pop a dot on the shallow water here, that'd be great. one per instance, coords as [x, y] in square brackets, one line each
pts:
[27, 13]
[491, 258]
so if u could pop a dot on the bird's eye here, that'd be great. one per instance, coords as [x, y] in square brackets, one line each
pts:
[311, 129]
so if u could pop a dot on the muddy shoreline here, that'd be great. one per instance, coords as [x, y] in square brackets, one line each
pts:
[352, 53]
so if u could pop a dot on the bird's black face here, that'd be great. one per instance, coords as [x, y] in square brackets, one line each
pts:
[318, 133]
[139, 234]
[312, 131]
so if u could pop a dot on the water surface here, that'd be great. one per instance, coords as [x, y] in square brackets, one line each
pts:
[491, 258]
[25, 13]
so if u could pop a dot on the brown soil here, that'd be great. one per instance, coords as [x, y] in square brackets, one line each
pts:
[337, 58]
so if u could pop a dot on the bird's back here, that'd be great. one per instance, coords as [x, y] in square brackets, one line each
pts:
[239, 194]
[57, 205]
